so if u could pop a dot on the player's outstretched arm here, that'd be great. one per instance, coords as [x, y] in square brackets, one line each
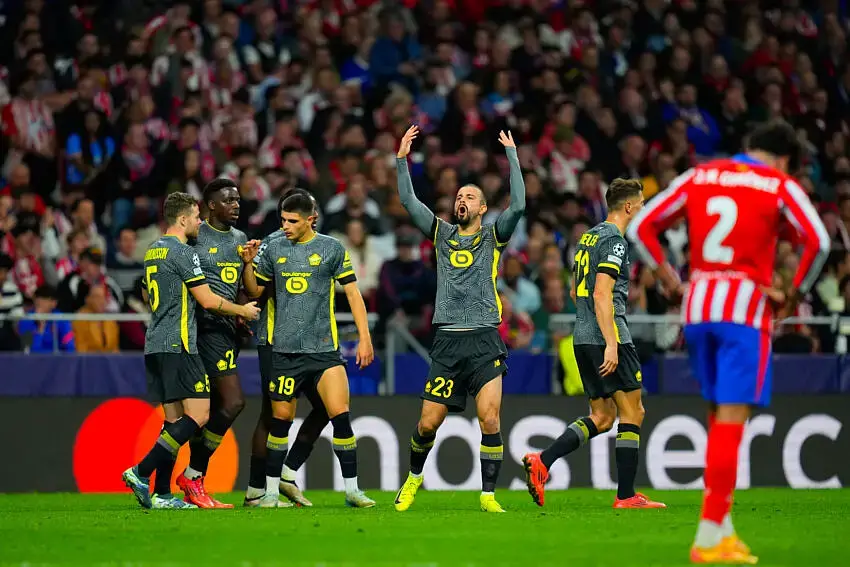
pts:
[421, 215]
[603, 302]
[365, 352]
[508, 220]
[212, 302]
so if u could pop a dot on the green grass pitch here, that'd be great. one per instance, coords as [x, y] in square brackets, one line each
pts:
[576, 528]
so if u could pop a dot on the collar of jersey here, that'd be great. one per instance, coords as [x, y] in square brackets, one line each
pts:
[315, 234]
[217, 230]
[744, 158]
[468, 235]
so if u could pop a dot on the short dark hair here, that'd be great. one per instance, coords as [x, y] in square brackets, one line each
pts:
[621, 190]
[45, 292]
[296, 191]
[298, 203]
[217, 185]
[176, 205]
[777, 138]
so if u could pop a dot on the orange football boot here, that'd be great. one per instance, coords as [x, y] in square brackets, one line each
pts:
[730, 551]
[196, 493]
[536, 475]
[637, 501]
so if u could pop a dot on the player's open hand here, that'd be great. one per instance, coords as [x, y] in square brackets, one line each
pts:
[610, 361]
[507, 140]
[249, 251]
[407, 141]
[250, 311]
[365, 354]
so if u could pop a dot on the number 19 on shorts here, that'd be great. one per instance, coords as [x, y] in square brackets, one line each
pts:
[283, 385]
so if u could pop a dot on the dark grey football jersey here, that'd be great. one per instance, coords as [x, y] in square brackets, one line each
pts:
[602, 249]
[466, 277]
[265, 323]
[304, 276]
[171, 268]
[222, 266]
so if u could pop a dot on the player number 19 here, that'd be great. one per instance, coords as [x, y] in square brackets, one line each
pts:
[713, 249]
[153, 287]
[285, 385]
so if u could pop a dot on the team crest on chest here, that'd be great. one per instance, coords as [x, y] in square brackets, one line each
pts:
[315, 260]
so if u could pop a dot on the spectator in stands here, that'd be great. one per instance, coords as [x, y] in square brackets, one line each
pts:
[406, 288]
[121, 265]
[95, 336]
[90, 272]
[76, 241]
[516, 328]
[29, 273]
[88, 153]
[523, 294]
[364, 258]
[83, 218]
[11, 305]
[46, 336]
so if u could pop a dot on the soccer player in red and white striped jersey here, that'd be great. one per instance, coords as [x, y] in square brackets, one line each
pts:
[734, 208]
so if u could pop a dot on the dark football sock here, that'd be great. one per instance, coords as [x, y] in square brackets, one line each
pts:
[577, 434]
[277, 446]
[173, 436]
[203, 445]
[308, 433]
[420, 446]
[257, 475]
[626, 450]
[345, 445]
[492, 453]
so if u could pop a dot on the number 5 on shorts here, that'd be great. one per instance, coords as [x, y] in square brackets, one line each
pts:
[285, 385]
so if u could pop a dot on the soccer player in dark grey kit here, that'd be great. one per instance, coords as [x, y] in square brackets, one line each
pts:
[176, 377]
[312, 426]
[305, 267]
[606, 357]
[218, 245]
[468, 355]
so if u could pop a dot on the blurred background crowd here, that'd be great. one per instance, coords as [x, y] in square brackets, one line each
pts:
[108, 106]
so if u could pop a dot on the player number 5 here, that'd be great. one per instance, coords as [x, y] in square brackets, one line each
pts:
[713, 249]
[153, 287]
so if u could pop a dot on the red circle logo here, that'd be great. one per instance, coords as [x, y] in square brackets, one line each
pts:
[119, 433]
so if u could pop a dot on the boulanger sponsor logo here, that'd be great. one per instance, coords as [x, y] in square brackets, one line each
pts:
[799, 442]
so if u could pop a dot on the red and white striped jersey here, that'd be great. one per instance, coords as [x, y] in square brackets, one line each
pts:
[734, 208]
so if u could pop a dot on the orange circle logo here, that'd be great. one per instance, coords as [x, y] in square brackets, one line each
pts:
[120, 432]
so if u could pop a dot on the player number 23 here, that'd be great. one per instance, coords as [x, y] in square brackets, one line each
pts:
[442, 387]
[285, 385]
[153, 287]
[726, 211]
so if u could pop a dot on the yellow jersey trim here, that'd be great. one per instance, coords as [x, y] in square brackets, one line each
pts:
[184, 317]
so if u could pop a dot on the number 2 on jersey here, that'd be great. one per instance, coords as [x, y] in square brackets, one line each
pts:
[713, 249]
[582, 267]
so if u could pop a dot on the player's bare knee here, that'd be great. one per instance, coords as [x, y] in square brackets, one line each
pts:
[489, 422]
[603, 419]
[282, 410]
[337, 409]
[233, 407]
[199, 416]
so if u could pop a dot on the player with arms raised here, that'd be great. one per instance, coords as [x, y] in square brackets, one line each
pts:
[468, 355]
[304, 267]
[734, 208]
[176, 377]
[606, 357]
[312, 426]
[217, 246]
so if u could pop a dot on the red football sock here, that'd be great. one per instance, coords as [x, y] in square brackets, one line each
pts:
[712, 417]
[721, 469]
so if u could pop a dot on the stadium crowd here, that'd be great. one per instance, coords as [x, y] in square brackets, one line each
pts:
[110, 106]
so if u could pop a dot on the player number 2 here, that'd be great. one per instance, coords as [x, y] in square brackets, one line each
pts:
[713, 249]
[582, 267]
[442, 387]
[230, 358]
[153, 287]
[285, 385]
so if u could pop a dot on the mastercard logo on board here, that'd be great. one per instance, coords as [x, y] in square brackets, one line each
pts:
[118, 433]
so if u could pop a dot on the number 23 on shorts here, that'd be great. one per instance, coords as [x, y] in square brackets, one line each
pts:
[283, 385]
[440, 387]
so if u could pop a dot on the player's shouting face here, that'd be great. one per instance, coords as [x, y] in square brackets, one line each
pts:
[469, 205]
